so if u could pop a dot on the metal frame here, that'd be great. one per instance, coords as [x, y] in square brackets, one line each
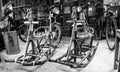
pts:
[37, 52]
[75, 57]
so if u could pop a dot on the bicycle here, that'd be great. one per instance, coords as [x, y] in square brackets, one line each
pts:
[107, 27]
[111, 31]
[54, 28]
[81, 47]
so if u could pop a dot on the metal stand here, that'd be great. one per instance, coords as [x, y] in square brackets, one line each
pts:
[34, 56]
[77, 56]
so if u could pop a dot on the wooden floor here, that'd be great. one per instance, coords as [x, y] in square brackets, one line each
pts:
[102, 62]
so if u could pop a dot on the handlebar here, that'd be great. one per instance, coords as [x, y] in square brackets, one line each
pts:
[31, 22]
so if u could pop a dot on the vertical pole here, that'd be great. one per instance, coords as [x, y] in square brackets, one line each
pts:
[118, 56]
[116, 53]
[75, 45]
[74, 40]
[33, 47]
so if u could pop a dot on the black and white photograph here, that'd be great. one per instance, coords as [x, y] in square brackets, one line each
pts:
[59, 35]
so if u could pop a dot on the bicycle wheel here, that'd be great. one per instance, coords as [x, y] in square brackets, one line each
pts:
[111, 33]
[97, 29]
[87, 49]
[23, 32]
[56, 34]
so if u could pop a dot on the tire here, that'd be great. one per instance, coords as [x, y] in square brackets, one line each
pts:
[56, 32]
[111, 33]
[56, 35]
[22, 32]
[98, 28]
